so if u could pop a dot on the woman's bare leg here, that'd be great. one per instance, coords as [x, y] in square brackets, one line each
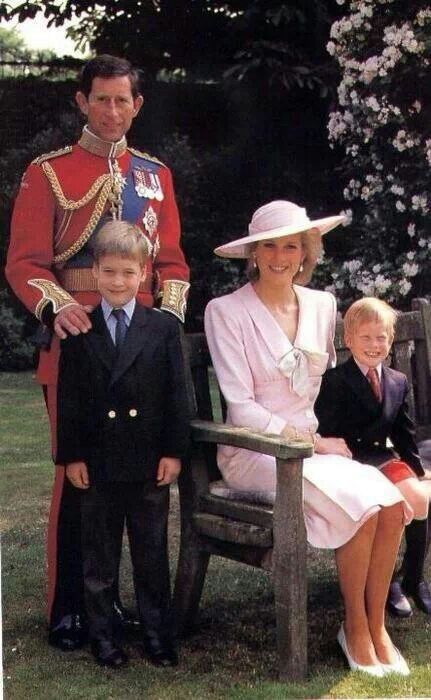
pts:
[383, 556]
[353, 563]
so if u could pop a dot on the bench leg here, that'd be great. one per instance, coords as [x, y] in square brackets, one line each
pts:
[190, 578]
[290, 572]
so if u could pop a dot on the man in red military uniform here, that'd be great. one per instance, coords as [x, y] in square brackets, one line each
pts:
[64, 198]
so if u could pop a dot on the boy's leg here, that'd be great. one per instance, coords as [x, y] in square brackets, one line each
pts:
[99, 567]
[147, 523]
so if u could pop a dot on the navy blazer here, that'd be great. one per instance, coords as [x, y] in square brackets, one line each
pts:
[121, 414]
[347, 408]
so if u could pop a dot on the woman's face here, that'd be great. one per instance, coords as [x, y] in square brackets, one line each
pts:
[278, 259]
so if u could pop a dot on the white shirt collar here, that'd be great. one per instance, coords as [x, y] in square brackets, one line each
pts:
[364, 369]
[129, 308]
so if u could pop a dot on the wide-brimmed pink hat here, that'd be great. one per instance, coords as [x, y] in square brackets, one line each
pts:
[274, 220]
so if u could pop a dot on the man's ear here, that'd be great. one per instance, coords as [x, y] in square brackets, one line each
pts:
[82, 102]
[137, 104]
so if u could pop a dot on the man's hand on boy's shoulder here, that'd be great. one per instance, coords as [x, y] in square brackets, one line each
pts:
[77, 473]
[73, 319]
[168, 470]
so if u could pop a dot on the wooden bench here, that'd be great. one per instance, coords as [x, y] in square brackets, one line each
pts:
[247, 531]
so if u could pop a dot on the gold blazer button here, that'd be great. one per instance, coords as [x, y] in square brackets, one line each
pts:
[111, 414]
[133, 413]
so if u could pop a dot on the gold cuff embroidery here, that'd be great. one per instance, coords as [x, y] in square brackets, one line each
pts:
[51, 294]
[174, 298]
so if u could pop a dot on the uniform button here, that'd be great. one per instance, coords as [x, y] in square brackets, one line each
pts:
[111, 414]
[376, 443]
[133, 413]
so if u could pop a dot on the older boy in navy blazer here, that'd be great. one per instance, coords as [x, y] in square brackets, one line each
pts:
[122, 431]
[365, 402]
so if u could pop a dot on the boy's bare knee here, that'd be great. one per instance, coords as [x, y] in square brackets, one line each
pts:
[416, 496]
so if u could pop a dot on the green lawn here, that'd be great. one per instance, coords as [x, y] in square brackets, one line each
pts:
[233, 655]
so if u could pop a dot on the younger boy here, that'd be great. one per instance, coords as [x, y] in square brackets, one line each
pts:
[122, 431]
[365, 402]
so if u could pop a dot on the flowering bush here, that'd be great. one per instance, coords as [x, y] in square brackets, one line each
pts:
[383, 123]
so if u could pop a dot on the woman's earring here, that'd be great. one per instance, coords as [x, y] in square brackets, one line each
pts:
[254, 262]
[301, 268]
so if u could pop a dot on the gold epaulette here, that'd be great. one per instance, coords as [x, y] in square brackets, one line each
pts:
[52, 154]
[147, 156]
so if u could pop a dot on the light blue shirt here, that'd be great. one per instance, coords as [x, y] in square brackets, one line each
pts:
[110, 319]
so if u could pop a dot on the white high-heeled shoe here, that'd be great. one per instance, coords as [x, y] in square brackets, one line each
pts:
[399, 666]
[375, 670]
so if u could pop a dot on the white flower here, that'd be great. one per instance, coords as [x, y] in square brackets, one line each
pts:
[411, 255]
[399, 205]
[404, 287]
[377, 268]
[382, 284]
[348, 216]
[411, 228]
[422, 242]
[352, 265]
[410, 270]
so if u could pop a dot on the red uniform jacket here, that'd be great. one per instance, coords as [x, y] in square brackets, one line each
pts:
[62, 198]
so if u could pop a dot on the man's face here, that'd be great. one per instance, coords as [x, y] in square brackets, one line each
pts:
[118, 279]
[110, 107]
[369, 343]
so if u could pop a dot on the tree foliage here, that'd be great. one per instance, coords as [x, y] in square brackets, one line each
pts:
[383, 123]
[271, 41]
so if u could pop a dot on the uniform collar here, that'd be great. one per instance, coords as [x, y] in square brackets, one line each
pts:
[98, 147]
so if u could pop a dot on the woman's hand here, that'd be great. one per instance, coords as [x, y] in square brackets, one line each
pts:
[332, 446]
[291, 433]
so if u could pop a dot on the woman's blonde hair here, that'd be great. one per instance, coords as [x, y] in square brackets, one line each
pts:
[370, 309]
[312, 245]
[121, 238]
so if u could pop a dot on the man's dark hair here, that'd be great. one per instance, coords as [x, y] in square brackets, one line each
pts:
[106, 66]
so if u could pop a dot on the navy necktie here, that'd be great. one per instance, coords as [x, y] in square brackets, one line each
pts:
[120, 328]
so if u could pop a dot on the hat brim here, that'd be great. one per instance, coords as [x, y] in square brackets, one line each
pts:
[241, 247]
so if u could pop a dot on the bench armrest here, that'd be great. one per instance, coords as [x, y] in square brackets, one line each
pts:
[266, 443]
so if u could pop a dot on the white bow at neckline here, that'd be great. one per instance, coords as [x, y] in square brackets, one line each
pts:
[299, 365]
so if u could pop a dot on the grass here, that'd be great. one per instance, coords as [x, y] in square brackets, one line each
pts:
[232, 655]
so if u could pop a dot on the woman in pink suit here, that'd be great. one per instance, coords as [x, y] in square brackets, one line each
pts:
[270, 342]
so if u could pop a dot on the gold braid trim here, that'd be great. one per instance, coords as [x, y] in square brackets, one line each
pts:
[91, 225]
[147, 156]
[52, 154]
[70, 204]
[174, 298]
[51, 294]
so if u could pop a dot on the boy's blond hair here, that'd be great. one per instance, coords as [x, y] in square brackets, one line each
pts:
[121, 238]
[370, 309]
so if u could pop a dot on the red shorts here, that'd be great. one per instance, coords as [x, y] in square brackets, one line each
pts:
[396, 470]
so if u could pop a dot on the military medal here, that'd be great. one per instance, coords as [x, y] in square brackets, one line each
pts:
[147, 184]
[151, 222]
[117, 184]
